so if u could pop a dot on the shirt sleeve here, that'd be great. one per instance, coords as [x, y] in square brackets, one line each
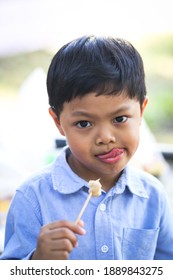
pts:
[22, 228]
[164, 250]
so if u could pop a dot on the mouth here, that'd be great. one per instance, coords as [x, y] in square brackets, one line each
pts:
[112, 156]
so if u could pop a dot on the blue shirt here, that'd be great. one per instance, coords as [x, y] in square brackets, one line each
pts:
[131, 221]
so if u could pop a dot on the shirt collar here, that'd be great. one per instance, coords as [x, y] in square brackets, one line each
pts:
[130, 179]
[63, 176]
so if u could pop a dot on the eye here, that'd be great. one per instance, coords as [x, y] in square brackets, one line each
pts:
[83, 124]
[120, 119]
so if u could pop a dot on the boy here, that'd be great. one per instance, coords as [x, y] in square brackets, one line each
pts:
[97, 98]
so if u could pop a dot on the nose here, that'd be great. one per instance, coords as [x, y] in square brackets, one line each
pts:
[105, 136]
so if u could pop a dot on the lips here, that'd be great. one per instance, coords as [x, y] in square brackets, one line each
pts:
[112, 156]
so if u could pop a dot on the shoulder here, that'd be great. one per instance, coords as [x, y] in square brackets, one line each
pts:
[142, 176]
[139, 179]
[36, 181]
[43, 180]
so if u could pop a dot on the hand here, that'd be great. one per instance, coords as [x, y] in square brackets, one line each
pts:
[56, 240]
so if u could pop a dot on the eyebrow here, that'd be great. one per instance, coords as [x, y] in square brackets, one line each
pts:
[86, 114]
[122, 109]
[80, 113]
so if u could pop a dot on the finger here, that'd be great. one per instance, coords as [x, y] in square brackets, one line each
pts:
[81, 223]
[56, 255]
[73, 227]
[63, 233]
[58, 233]
[48, 245]
[50, 255]
[47, 235]
[61, 245]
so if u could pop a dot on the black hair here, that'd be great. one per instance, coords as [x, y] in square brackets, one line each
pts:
[103, 65]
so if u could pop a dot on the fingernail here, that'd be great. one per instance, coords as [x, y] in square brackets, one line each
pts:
[83, 231]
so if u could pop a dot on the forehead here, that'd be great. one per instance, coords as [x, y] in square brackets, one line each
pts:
[93, 103]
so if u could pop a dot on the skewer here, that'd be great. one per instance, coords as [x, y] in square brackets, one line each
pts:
[95, 190]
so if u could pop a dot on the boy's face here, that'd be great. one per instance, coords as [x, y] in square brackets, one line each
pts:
[102, 133]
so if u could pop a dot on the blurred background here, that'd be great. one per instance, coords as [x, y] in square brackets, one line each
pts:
[31, 31]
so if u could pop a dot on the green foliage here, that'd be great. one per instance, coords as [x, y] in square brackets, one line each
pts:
[158, 61]
[160, 111]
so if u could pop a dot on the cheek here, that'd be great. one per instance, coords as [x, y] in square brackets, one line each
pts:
[76, 143]
[78, 139]
[80, 146]
[134, 139]
[131, 137]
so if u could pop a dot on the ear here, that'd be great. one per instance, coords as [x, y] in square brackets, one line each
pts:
[144, 104]
[56, 120]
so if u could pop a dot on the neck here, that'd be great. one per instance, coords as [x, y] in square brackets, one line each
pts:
[106, 181]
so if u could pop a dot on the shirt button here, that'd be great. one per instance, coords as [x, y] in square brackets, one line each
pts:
[102, 207]
[104, 248]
